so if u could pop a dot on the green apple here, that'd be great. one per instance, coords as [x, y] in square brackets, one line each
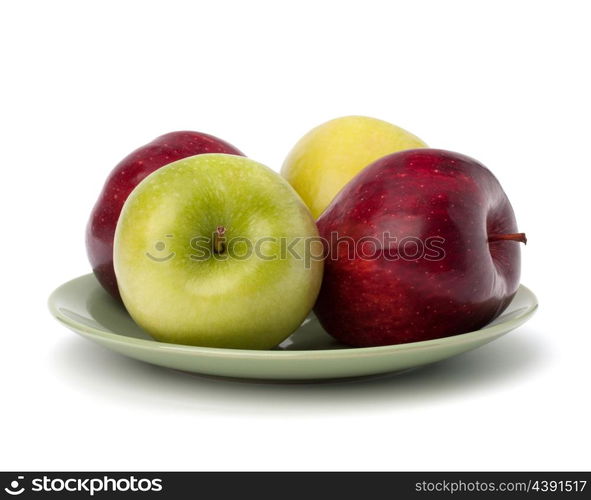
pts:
[217, 250]
[330, 155]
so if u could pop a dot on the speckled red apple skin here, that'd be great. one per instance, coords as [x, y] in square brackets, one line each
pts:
[420, 193]
[124, 178]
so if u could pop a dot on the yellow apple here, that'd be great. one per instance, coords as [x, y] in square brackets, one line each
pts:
[330, 155]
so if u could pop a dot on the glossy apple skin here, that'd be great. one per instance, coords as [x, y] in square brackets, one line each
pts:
[128, 173]
[422, 193]
[330, 155]
[225, 301]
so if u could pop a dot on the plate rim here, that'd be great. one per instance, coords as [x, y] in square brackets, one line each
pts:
[217, 352]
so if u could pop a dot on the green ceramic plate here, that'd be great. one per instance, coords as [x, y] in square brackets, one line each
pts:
[309, 354]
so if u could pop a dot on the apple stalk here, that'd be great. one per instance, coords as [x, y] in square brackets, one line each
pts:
[519, 237]
[219, 240]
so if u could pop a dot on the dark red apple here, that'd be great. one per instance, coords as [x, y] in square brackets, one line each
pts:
[124, 178]
[422, 244]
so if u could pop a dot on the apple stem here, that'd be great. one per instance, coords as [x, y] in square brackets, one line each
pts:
[519, 237]
[219, 240]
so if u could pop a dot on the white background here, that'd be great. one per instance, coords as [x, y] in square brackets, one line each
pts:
[85, 83]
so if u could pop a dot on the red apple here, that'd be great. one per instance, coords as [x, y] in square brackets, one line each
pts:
[422, 244]
[128, 173]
